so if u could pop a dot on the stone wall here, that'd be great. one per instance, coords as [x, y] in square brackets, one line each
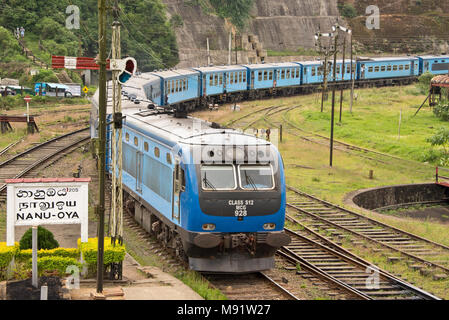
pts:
[278, 25]
[374, 198]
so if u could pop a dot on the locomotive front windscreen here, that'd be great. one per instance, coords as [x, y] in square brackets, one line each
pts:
[224, 177]
[256, 177]
[221, 177]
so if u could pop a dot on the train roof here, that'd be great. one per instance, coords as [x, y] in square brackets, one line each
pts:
[168, 74]
[425, 57]
[385, 59]
[193, 131]
[271, 65]
[318, 63]
[220, 68]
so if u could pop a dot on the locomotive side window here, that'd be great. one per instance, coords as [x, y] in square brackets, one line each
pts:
[136, 141]
[218, 177]
[157, 152]
[168, 158]
[127, 137]
[256, 177]
[145, 146]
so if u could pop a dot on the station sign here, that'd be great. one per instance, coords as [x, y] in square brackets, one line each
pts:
[49, 201]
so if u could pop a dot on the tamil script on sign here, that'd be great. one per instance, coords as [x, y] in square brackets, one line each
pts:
[48, 205]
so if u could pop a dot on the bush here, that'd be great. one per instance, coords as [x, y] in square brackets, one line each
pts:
[57, 263]
[45, 239]
[25, 255]
[44, 75]
[6, 254]
[111, 254]
[424, 82]
[347, 10]
[441, 110]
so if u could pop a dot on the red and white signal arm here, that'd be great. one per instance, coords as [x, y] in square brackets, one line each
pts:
[27, 99]
[46, 201]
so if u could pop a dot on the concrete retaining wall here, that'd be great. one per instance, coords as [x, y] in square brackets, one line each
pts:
[374, 198]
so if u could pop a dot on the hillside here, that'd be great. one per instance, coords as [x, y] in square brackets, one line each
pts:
[146, 32]
[406, 26]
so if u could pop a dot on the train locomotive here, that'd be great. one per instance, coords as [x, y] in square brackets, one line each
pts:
[217, 196]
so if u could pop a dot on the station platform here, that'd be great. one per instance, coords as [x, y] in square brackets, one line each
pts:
[139, 283]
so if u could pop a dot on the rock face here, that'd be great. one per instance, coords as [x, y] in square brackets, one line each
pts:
[278, 24]
[289, 24]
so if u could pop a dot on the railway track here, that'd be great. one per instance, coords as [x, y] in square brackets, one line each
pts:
[358, 278]
[254, 286]
[338, 223]
[23, 164]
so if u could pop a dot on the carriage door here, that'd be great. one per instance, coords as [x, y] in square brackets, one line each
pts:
[178, 187]
[362, 68]
[252, 79]
[139, 171]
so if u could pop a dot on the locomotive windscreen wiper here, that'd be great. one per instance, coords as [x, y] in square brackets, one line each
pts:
[207, 182]
[250, 180]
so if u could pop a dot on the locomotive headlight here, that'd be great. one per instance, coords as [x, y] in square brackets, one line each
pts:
[208, 226]
[269, 226]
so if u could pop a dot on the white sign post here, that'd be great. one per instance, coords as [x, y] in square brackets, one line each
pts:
[34, 202]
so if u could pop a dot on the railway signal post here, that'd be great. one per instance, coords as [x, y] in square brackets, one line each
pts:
[102, 140]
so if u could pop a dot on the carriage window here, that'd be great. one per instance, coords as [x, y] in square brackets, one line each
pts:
[221, 79]
[244, 76]
[376, 69]
[305, 71]
[283, 74]
[157, 152]
[270, 75]
[216, 79]
[370, 69]
[172, 86]
[168, 158]
[265, 75]
[136, 141]
[220, 177]
[127, 137]
[288, 74]
[313, 72]
[401, 67]
[389, 68]
[185, 84]
[382, 68]
[407, 67]
[256, 177]
[395, 68]
[338, 69]
[297, 72]
[145, 146]
[259, 76]
[211, 80]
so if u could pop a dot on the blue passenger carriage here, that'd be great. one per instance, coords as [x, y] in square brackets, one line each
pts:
[179, 88]
[387, 68]
[217, 81]
[434, 64]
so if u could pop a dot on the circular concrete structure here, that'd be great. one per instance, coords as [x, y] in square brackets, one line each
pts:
[398, 196]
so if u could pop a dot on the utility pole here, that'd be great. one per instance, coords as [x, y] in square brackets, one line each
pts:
[343, 69]
[102, 139]
[116, 225]
[327, 53]
[208, 52]
[235, 46]
[352, 76]
[334, 71]
[230, 47]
